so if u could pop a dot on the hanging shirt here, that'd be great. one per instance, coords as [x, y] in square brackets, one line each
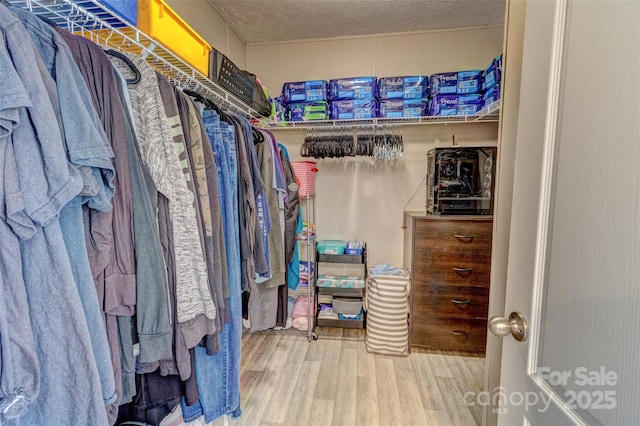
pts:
[260, 250]
[47, 183]
[209, 213]
[153, 323]
[19, 385]
[113, 266]
[267, 161]
[88, 149]
[161, 160]
[247, 208]
[293, 221]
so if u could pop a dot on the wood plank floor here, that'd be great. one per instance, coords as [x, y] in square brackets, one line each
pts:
[286, 380]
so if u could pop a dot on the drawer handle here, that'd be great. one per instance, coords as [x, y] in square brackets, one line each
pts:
[464, 237]
[459, 333]
[462, 269]
[460, 302]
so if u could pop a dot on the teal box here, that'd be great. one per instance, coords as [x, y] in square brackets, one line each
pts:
[331, 246]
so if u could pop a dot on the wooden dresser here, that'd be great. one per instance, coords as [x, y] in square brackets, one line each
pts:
[450, 262]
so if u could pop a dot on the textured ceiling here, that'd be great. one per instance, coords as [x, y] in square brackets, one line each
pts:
[256, 21]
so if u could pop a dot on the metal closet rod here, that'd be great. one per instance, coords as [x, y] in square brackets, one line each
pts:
[96, 27]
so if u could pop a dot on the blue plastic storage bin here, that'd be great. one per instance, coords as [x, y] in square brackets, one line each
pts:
[126, 9]
[354, 248]
[117, 13]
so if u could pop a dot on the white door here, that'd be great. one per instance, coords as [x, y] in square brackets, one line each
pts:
[574, 254]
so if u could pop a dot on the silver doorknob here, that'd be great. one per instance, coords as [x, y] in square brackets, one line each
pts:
[516, 325]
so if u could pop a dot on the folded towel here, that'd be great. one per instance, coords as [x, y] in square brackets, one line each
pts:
[385, 269]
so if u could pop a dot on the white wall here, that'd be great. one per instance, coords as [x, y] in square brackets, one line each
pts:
[204, 19]
[357, 198]
[381, 55]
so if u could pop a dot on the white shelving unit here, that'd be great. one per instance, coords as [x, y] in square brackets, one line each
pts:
[96, 22]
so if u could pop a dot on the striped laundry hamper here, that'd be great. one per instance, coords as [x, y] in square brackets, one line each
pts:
[387, 306]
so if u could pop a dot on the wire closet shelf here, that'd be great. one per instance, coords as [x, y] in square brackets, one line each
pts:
[97, 23]
[490, 114]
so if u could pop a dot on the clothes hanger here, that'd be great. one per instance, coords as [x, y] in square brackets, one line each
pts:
[129, 63]
[208, 103]
[258, 137]
[197, 96]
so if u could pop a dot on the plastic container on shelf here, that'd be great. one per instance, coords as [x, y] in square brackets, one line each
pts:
[160, 22]
[354, 248]
[331, 246]
[357, 317]
[126, 9]
[346, 306]
[328, 280]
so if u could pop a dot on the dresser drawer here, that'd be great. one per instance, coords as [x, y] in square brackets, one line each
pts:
[448, 333]
[453, 236]
[453, 301]
[444, 269]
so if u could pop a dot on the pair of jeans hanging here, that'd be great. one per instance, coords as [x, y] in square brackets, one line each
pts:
[219, 375]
